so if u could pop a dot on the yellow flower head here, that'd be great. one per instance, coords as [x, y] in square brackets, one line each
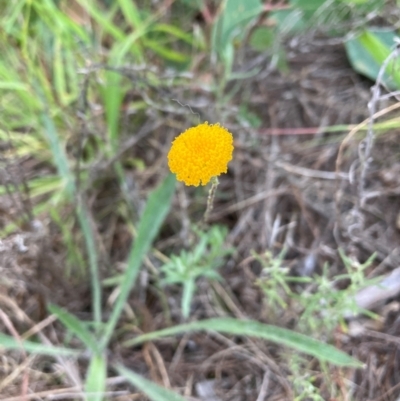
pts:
[200, 153]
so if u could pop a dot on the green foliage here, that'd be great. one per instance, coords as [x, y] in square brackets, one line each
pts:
[154, 214]
[275, 280]
[203, 261]
[324, 306]
[11, 343]
[297, 341]
[235, 18]
[333, 16]
[321, 306]
[231, 25]
[95, 384]
[304, 383]
[152, 390]
[368, 51]
[247, 118]
[76, 327]
[262, 39]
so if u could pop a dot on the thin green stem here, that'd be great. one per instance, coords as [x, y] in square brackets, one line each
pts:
[88, 234]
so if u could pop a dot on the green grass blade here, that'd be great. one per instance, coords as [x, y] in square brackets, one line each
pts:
[95, 385]
[189, 287]
[85, 223]
[101, 17]
[112, 94]
[61, 161]
[154, 214]
[131, 13]
[166, 52]
[152, 390]
[59, 22]
[11, 343]
[300, 342]
[75, 326]
[59, 156]
[174, 31]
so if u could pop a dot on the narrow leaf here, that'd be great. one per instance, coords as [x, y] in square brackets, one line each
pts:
[154, 214]
[252, 328]
[152, 390]
[95, 385]
[73, 324]
[11, 343]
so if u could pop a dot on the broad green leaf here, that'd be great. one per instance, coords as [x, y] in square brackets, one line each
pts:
[11, 343]
[73, 324]
[309, 7]
[152, 390]
[367, 53]
[262, 38]
[195, 4]
[232, 21]
[153, 216]
[300, 342]
[95, 385]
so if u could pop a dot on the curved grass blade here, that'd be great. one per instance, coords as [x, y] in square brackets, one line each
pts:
[61, 161]
[11, 343]
[74, 325]
[154, 214]
[152, 390]
[300, 342]
[95, 385]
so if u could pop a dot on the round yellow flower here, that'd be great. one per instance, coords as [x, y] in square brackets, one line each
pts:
[200, 153]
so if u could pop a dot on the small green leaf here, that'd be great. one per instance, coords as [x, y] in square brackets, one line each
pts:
[166, 52]
[75, 326]
[300, 342]
[262, 39]
[152, 390]
[8, 342]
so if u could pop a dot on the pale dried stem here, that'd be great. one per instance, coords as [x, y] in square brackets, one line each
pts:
[210, 199]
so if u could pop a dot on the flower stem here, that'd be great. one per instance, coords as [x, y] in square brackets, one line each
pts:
[210, 199]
